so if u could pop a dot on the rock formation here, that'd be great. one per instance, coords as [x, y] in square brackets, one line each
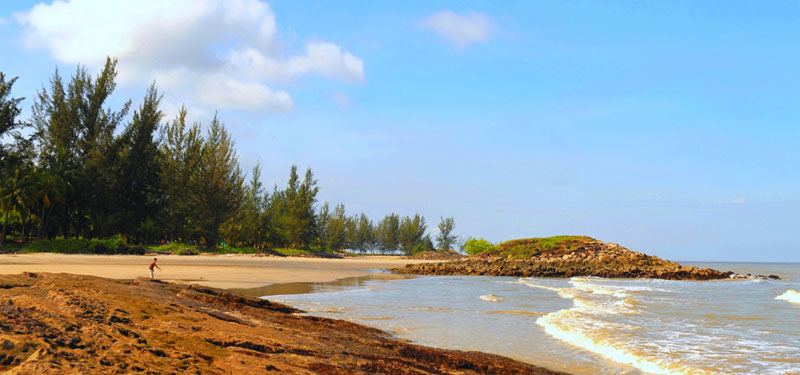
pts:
[582, 257]
[72, 324]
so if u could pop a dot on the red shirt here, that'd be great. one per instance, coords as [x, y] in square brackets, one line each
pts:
[152, 265]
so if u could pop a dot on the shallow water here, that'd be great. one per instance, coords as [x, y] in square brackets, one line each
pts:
[588, 325]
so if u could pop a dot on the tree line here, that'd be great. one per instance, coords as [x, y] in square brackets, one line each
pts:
[80, 169]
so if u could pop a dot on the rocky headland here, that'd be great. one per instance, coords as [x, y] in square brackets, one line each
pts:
[74, 324]
[565, 256]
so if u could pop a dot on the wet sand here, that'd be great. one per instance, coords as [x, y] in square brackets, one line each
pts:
[71, 324]
[234, 271]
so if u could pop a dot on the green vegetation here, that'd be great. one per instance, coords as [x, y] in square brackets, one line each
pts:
[526, 247]
[80, 245]
[90, 170]
[445, 239]
[475, 246]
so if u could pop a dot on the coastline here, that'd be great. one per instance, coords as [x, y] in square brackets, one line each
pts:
[72, 324]
[229, 271]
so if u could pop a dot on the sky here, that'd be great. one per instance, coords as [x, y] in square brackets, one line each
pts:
[669, 127]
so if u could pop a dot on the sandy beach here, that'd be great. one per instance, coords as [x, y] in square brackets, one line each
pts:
[233, 271]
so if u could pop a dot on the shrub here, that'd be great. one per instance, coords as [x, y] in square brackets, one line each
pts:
[110, 246]
[477, 246]
[188, 251]
[63, 245]
[82, 246]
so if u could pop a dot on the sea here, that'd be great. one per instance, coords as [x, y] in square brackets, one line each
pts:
[583, 325]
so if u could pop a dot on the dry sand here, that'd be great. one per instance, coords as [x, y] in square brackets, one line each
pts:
[219, 271]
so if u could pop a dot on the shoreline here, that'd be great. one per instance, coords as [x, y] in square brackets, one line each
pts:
[229, 271]
[73, 324]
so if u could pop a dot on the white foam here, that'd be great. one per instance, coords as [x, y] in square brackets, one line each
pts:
[597, 289]
[583, 325]
[790, 295]
[491, 298]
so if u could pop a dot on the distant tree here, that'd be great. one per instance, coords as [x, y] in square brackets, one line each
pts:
[138, 182]
[254, 206]
[300, 201]
[323, 219]
[387, 233]
[218, 181]
[181, 152]
[427, 243]
[14, 196]
[364, 234]
[75, 135]
[9, 124]
[445, 239]
[475, 246]
[411, 233]
[275, 219]
[50, 190]
[13, 176]
[336, 229]
[350, 229]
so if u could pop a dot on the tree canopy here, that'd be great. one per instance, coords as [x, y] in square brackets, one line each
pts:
[90, 170]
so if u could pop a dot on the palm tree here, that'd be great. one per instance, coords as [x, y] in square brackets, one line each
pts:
[50, 189]
[13, 195]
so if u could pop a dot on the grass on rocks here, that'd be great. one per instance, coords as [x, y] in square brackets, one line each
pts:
[526, 247]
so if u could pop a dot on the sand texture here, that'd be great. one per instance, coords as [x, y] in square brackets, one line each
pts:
[219, 271]
[72, 324]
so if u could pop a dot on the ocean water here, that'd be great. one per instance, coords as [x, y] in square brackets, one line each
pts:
[587, 325]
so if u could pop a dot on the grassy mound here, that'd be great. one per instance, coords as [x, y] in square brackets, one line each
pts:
[526, 247]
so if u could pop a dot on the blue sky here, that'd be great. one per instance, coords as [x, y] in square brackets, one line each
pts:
[672, 128]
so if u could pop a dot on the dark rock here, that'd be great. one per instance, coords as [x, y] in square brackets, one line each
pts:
[593, 258]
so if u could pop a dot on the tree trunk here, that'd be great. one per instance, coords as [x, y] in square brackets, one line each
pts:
[42, 222]
[24, 221]
[5, 228]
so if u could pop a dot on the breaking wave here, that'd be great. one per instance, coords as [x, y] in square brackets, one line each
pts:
[491, 298]
[790, 295]
[589, 325]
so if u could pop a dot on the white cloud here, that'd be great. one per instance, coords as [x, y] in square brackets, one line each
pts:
[462, 30]
[188, 46]
[341, 98]
[229, 93]
[735, 201]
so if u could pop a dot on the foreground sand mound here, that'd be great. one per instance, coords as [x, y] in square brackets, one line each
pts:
[584, 257]
[72, 324]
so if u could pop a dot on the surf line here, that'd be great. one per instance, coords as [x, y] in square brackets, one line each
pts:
[555, 325]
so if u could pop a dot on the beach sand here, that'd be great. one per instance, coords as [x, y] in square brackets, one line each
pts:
[232, 271]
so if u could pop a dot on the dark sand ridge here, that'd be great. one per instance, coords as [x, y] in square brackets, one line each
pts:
[73, 324]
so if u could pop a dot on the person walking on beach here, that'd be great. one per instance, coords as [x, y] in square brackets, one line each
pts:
[154, 265]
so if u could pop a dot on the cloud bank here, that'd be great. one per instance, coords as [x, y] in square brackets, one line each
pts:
[221, 53]
[461, 30]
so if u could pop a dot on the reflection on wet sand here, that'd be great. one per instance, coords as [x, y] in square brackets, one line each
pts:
[303, 288]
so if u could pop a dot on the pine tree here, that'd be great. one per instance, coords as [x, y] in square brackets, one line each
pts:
[9, 124]
[411, 233]
[337, 227]
[181, 153]
[218, 181]
[445, 239]
[387, 234]
[138, 179]
[75, 136]
[364, 237]
[300, 200]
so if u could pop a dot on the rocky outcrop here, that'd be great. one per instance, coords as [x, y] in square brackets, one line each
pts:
[590, 258]
[71, 324]
[436, 255]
